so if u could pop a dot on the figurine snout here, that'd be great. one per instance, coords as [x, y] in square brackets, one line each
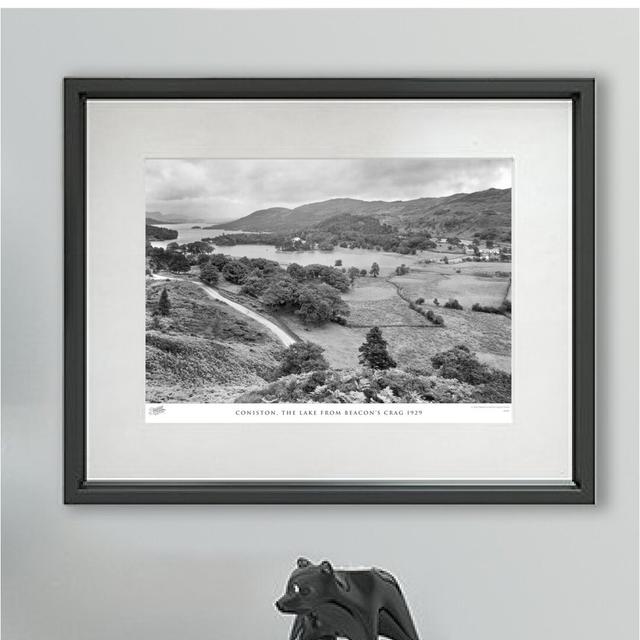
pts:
[284, 604]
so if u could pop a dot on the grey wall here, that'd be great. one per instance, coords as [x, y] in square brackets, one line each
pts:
[160, 573]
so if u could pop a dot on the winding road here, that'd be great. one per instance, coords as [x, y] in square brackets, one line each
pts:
[277, 331]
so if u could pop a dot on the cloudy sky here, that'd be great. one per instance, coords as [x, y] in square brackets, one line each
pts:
[219, 190]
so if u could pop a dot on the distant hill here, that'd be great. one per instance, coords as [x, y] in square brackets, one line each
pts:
[461, 214]
[156, 217]
[273, 219]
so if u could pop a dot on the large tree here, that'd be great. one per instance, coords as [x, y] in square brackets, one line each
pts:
[255, 284]
[460, 363]
[178, 263]
[353, 273]
[281, 294]
[321, 303]
[209, 274]
[235, 271]
[302, 357]
[375, 269]
[219, 260]
[373, 351]
[164, 306]
[296, 272]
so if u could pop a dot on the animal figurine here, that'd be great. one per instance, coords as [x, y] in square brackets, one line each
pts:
[358, 604]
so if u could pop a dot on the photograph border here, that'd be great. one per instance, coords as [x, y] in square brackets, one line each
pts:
[77, 489]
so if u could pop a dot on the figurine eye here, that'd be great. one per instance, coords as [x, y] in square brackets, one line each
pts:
[298, 590]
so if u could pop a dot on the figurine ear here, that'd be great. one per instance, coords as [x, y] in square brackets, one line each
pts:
[303, 562]
[326, 567]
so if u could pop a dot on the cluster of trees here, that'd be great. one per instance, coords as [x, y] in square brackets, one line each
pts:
[460, 364]
[232, 239]
[364, 232]
[312, 292]
[459, 377]
[344, 230]
[333, 276]
[503, 256]
[438, 320]
[178, 258]
[416, 306]
[169, 259]
[503, 309]
[303, 357]
[453, 303]
[493, 234]
[236, 271]
[354, 272]
[314, 303]
[456, 363]
[160, 233]
[196, 248]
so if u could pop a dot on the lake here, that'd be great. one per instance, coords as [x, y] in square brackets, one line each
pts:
[360, 258]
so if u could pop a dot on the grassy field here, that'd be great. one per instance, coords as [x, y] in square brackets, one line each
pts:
[412, 339]
[476, 282]
[204, 351]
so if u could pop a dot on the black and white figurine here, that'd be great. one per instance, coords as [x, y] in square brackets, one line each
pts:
[358, 604]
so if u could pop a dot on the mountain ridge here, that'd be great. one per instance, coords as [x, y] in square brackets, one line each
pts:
[457, 214]
[157, 217]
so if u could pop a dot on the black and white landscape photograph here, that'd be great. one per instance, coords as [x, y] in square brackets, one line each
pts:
[340, 281]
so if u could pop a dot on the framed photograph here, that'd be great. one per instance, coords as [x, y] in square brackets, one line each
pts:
[329, 290]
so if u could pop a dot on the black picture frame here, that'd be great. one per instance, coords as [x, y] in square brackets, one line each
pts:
[77, 490]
